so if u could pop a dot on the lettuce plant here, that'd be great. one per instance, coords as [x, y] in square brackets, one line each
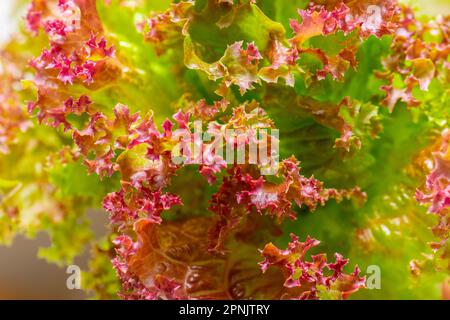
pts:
[119, 105]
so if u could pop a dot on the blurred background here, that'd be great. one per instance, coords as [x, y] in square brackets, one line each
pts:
[22, 275]
[6, 24]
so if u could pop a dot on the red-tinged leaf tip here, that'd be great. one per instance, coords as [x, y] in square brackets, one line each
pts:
[436, 192]
[303, 278]
[413, 58]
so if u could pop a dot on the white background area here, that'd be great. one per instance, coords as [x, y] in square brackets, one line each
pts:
[6, 20]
